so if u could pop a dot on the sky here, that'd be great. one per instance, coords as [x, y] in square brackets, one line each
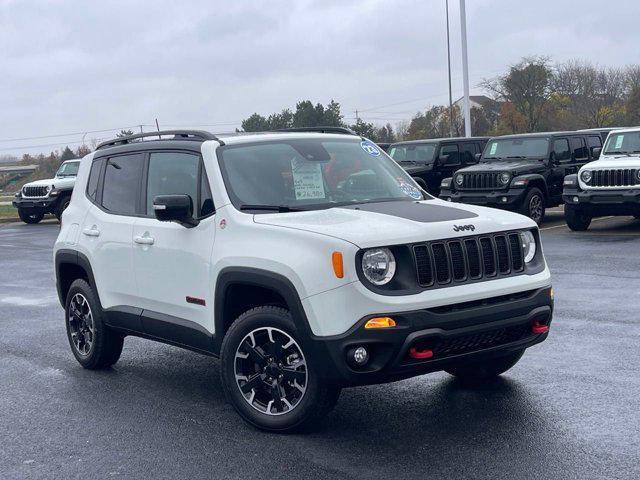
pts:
[84, 69]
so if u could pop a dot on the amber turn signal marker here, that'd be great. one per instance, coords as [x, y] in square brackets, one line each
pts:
[380, 322]
[338, 268]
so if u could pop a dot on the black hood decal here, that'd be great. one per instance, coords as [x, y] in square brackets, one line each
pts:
[416, 211]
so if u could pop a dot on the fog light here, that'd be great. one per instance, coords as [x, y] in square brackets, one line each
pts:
[504, 199]
[576, 199]
[360, 356]
[380, 322]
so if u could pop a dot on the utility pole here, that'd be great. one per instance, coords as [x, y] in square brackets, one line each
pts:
[449, 68]
[465, 70]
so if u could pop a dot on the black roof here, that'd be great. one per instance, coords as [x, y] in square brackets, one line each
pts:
[542, 134]
[439, 140]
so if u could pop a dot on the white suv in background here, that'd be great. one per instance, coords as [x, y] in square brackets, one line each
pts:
[306, 261]
[608, 186]
[51, 195]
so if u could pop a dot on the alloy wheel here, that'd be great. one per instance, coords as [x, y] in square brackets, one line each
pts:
[535, 208]
[81, 326]
[271, 371]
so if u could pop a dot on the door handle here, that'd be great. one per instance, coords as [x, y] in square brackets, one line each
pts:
[91, 232]
[144, 240]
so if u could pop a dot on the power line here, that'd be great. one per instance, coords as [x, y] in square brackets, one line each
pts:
[70, 134]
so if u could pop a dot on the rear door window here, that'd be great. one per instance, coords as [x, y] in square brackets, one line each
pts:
[122, 179]
[593, 142]
[579, 148]
[561, 149]
[450, 154]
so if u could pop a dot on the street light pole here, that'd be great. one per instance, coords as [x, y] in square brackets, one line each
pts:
[449, 68]
[465, 70]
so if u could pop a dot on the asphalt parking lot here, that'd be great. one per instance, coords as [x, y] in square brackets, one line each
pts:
[568, 410]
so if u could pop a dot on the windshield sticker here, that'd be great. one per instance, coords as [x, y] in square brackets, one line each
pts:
[494, 147]
[619, 140]
[307, 179]
[409, 190]
[370, 148]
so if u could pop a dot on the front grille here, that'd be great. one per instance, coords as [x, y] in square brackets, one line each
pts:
[468, 259]
[480, 181]
[34, 191]
[472, 342]
[620, 177]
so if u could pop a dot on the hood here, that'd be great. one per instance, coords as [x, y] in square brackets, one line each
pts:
[392, 223]
[62, 183]
[614, 161]
[516, 166]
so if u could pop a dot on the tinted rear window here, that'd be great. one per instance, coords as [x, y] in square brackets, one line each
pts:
[121, 189]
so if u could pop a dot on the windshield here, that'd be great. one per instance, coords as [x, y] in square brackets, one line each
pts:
[69, 169]
[627, 142]
[516, 148]
[422, 153]
[312, 173]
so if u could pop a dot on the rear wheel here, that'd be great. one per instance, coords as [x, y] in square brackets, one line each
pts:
[486, 369]
[62, 205]
[577, 218]
[534, 205]
[94, 345]
[30, 216]
[268, 377]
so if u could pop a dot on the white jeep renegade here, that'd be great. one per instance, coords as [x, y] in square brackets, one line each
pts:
[608, 186]
[306, 261]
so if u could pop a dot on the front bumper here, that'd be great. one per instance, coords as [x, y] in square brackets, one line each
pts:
[456, 334]
[604, 202]
[508, 199]
[45, 204]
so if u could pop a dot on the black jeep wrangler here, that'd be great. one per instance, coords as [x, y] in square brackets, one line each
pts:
[429, 161]
[523, 172]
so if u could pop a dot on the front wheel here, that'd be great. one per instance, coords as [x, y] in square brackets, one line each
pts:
[30, 216]
[485, 369]
[268, 377]
[534, 205]
[577, 218]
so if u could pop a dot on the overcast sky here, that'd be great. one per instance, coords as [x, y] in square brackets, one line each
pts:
[78, 66]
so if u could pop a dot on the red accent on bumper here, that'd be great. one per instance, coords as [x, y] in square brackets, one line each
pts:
[539, 328]
[420, 354]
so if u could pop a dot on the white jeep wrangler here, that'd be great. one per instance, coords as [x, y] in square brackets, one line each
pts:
[307, 262]
[51, 195]
[608, 186]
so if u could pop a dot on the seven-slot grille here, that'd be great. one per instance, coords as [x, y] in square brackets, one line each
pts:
[471, 258]
[620, 177]
[39, 191]
[480, 181]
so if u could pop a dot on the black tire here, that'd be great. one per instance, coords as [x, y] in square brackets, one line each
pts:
[106, 344]
[533, 205]
[421, 183]
[62, 205]
[311, 406]
[577, 218]
[30, 216]
[485, 369]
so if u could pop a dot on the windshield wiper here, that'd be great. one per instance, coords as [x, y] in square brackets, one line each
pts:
[271, 208]
[491, 158]
[517, 156]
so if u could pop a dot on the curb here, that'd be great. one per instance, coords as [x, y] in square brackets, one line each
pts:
[9, 220]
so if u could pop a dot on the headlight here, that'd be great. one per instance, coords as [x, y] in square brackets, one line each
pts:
[378, 265]
[445, 183]
[528, 245]
[48, 189]
[459, 179]
[504, 178]
[585, 175]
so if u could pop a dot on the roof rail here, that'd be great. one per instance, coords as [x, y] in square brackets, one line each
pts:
[343, 130]
[198, 135]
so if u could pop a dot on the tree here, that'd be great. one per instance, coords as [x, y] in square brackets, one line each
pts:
[527, 86]
[67, 154]
[385, 134]
[124, 133]
[255, 123]
[365, 129]
[306, 115]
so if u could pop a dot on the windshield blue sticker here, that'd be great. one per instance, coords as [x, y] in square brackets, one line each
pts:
[409, 190]
[619, 140]
[370, 148]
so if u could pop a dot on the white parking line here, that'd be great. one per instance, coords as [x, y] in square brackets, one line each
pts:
[594, 220]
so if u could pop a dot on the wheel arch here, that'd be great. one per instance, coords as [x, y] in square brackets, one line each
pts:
[71, 265]
[240, 288]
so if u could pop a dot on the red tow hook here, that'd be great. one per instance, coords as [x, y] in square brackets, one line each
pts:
[539, 328]
[420, 354]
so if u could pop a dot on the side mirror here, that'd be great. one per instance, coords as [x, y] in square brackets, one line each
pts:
[477, 157]
[596, 152]
[175, 208]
